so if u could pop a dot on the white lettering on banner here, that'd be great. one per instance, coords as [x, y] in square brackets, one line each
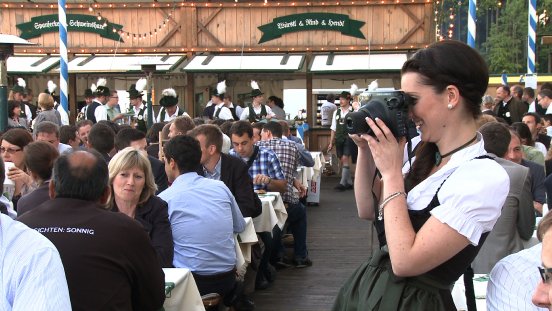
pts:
[51, 24]
[287, 25]
[72, 23]
[311, 22]
[336, 23]
[87, 24]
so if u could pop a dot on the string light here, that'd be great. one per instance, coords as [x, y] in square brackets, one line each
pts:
[134, 35]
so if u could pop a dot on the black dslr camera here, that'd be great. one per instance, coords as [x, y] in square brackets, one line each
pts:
[389, 106]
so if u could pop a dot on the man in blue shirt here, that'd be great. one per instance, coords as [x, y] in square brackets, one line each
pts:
[31, 272]
[204, 217]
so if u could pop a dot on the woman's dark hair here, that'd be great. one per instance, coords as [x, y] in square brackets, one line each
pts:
[277, 101]
[153, 133]
[11, 107]
[18, 136]
[39, 158]
[524, 133]
[442, 64]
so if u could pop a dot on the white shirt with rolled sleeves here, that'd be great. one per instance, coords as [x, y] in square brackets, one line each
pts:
[31, 272]
[472, 196]
[100, 113]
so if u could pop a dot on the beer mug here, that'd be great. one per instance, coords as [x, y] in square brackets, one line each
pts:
[9, 185]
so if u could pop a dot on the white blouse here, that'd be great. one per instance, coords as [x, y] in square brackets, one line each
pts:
[471, 198]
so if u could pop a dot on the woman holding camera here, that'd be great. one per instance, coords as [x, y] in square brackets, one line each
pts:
[432, 220]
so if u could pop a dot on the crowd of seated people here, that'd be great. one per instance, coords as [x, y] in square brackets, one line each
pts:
[170, 197]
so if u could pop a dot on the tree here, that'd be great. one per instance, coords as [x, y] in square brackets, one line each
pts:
[507, 40]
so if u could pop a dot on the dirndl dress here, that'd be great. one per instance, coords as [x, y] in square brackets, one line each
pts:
[373, 286]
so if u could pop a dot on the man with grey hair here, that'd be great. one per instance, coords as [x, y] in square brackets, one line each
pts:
[487, 105]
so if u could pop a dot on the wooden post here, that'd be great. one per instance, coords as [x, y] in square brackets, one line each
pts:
[73, 105]
[190, 93]
[311, 109]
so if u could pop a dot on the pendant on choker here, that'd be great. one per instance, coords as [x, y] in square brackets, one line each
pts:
[439, 158]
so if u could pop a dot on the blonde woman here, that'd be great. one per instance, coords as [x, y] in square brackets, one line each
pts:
[133, 193]
[47, 111]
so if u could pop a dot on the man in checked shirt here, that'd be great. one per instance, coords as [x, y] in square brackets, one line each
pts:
[288, 154]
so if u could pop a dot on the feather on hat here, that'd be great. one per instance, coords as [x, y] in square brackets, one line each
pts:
[373, 85]
[169, 98]
[51, 87]
[256, 89]
[141, 84]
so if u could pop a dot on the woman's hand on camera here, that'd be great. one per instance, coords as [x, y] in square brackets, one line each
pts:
[386, 151]
[360, 140]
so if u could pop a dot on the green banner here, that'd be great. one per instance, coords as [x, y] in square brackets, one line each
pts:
[75, 22]
[311, 21]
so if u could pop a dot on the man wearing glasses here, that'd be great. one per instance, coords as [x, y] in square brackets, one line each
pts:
[542, 297]
[113, 110]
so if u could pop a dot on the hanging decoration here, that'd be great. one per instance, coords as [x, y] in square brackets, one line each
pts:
[137, 35]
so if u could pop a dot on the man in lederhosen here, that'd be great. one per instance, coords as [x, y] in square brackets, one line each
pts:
[345, 146]
[256, 111]
[221, 111]
[138, 106]
[96, 111]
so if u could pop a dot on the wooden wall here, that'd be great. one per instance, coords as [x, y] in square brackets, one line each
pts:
[228, 28]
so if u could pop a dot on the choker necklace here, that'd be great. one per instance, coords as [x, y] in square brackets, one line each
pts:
[439, 157]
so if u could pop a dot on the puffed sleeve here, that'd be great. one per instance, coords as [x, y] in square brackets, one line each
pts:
[472, 198]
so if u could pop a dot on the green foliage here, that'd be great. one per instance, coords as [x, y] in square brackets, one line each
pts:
[506, 45]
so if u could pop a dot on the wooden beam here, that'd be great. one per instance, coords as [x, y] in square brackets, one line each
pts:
[203, 27]
[210, 18]
[72, 88]
[169, 35]
[389, 47]
[419, 24]
[208, 33]
[311, 109]
[189, 104]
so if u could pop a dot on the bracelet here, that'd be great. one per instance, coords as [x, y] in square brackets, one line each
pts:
[269, 180]
[387, 200]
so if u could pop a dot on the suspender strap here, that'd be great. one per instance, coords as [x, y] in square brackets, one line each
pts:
[253, 156]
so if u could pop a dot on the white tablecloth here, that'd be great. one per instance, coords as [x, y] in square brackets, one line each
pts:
[183, 294]
[244, 240]
[274, 213]
[479, 288]
[306, 174]
[319, 163]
